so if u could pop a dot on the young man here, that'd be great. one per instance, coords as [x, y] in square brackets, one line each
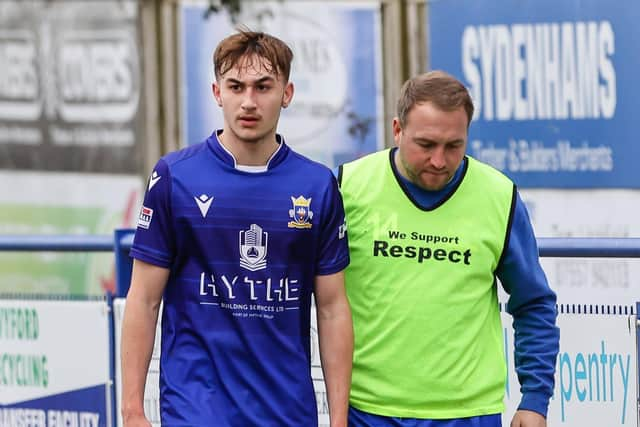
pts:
[234, 236]
[430, 230]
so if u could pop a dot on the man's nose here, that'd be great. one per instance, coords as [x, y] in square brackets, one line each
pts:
[437, 158]
[249, 99]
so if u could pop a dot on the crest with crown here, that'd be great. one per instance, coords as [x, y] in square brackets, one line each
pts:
[301, 212]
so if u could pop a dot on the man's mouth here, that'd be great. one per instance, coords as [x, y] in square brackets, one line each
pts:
[248, 121]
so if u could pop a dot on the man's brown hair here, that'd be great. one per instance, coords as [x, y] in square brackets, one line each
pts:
[437, 87]
[245, 46]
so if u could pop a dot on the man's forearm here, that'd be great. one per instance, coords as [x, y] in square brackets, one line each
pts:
[335, 332]
[138, 334]
[536, 345]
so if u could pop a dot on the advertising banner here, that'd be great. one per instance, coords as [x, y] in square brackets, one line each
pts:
[70, 86]
[588, 213]
[554, 86]
[152, 385]
[54, 363]
[336, 114]
[70, 135]
[596, 372]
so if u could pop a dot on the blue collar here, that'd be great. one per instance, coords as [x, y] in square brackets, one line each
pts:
[225, 156]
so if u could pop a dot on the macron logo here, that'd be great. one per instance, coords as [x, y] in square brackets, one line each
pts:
[154, 179]
[204, 202]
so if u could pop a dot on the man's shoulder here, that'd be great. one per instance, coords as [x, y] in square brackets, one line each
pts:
[183, 154]
[310, 166]
[366, 162]
[487, 169]
[384, 153]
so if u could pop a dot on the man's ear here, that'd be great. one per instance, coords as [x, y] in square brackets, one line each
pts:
[288, 95]
[397, 130]
[216, 93]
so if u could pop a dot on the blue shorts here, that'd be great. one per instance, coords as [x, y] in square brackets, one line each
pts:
[358, 418]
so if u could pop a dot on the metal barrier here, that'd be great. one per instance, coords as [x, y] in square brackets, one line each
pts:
[121, 242]
[627, 247]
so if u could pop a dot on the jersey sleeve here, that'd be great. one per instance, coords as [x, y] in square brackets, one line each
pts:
[333, 253]
[154, 241]
[532, 304]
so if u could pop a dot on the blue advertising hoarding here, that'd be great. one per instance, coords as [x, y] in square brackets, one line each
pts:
[336, 114]
[553, 86]
[81, 408]
[54, 363]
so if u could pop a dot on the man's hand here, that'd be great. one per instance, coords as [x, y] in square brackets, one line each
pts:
[138, 420]
[524, 418]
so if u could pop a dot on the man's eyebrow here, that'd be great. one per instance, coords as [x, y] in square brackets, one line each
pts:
[429, 141]
[265, 79]
[231, 80]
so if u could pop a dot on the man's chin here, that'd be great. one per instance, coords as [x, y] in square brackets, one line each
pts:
[251, 137]
[433, 186]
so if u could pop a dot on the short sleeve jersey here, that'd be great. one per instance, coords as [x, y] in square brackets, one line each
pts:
[243, 250]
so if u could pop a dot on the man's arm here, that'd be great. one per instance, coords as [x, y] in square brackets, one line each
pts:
[138, 333]
[533, 307]
[335, 332]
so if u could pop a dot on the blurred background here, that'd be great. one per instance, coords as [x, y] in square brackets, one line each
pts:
[92, 93]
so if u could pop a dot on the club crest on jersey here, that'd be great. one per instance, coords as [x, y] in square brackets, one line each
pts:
[144, 219]
[253, 248]
[301, 213]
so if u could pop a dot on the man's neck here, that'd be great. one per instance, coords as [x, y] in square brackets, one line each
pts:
[255, 153]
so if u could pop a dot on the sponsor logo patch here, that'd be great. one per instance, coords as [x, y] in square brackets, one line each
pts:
[253, 248]
[144, 220]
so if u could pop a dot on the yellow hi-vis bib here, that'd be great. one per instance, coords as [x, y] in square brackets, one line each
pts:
[422, 288]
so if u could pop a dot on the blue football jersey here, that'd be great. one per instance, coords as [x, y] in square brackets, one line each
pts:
[243, 249]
